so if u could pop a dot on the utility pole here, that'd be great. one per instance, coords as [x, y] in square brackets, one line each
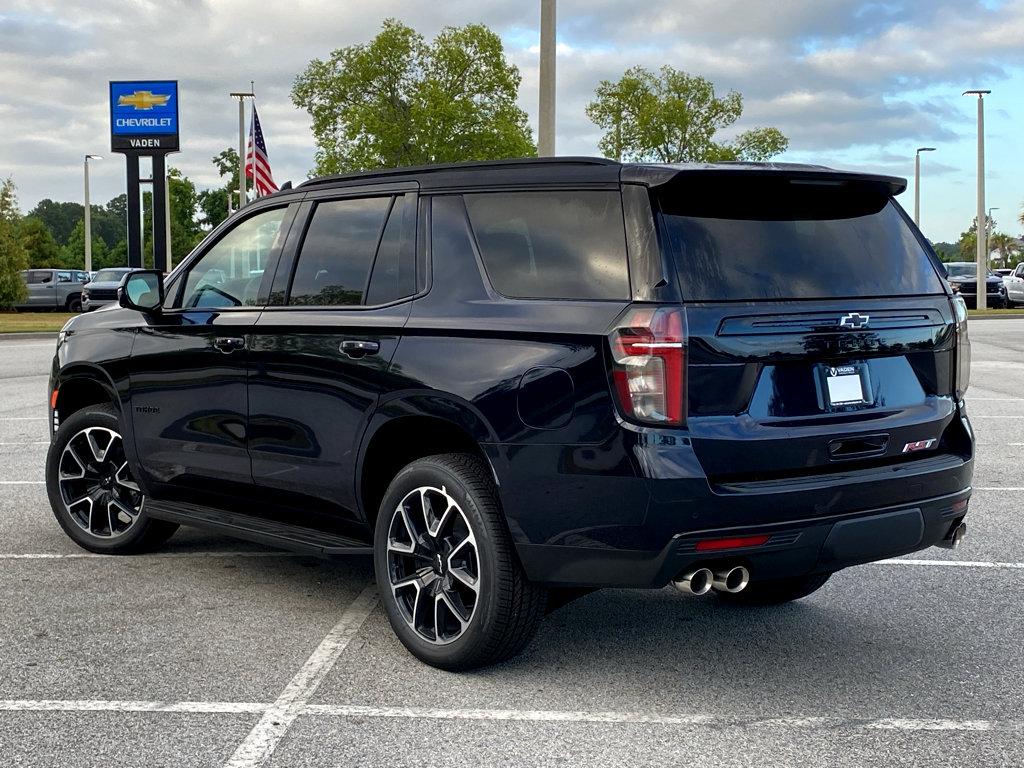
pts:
[982, 227]
[917, 183]
[88, 215]
[242, 96]
[546, 115]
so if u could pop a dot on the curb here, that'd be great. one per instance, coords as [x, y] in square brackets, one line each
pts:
[29, 335]
[1008, 316]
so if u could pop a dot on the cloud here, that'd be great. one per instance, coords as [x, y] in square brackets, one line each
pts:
[832, 74]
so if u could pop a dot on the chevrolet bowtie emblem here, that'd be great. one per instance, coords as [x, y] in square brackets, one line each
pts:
[143, 100]
[854, 320]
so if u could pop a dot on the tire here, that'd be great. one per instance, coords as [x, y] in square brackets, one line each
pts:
[474, 606]
[86, 471]
[74, 304]
[775, 591]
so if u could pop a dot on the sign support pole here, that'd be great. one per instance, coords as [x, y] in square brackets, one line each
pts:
[134, 221]
[159, 213]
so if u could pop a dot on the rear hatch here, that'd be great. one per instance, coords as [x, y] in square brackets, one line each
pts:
[820, 334]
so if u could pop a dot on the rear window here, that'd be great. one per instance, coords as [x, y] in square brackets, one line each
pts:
[552, 245]
[774, 239]
[109, 276]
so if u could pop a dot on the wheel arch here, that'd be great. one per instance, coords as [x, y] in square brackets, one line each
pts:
[82, 385]
[405, 430]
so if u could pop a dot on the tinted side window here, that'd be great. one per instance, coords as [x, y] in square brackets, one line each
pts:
[553, 245]
[229, 274]
[338, 251]
[63, 277]
[394, 272]
[40, 276]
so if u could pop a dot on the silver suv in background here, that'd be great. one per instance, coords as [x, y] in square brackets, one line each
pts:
[102, 289]
[50, 289]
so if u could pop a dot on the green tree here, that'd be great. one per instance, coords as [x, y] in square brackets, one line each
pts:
[1007, 247]
[947, 252]
[968, 243]
[59, 218]
[674, 117]
[13, 258]
[399, 100]
[36, 238]
[213, 203]
[186, 231]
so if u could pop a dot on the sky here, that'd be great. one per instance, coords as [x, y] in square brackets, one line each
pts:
[856, 85]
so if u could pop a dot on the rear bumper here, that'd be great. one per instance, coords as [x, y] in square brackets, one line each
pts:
[795, 547]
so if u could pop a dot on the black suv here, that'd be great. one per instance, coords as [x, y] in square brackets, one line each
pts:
[515, 381]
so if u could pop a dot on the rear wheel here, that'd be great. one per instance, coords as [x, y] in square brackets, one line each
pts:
[447, 572]
[91, 488]
[774, 591]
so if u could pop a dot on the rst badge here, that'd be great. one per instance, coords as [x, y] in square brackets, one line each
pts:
[919, 445]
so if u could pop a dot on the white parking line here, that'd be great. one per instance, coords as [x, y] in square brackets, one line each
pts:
[939, 562]
[181, 554]
[20, 419]
[261, 742]
[22, 483]
[505, 715]
[133, 706]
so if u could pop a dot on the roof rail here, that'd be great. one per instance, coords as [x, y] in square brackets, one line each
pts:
[438, 167]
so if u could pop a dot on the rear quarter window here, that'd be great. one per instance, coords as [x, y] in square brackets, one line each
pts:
[756, 239]
[552, 245]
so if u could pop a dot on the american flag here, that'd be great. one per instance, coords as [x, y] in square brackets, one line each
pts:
[264, 179]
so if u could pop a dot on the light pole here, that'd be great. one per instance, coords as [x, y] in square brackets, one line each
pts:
[917, 183]
[546, 112]
[982, 250]
[988, 233]
[88, 215]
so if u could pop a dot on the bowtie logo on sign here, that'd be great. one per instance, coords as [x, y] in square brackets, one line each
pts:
[143, 100]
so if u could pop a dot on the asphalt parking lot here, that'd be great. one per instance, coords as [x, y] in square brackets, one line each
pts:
[217, 652]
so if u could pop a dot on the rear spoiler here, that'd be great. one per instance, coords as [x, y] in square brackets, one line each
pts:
[653, 175]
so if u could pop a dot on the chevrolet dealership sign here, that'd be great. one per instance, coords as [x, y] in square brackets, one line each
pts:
[144, 116]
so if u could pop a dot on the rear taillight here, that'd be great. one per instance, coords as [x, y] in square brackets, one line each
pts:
[649, 364]
[963, 347]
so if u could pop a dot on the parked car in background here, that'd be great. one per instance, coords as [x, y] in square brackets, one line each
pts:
[963, 278]
[102, 290]
[1014, 283]
[50, 289]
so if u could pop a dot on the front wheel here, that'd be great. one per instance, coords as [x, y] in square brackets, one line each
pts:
[775, 591]
[447, 572]
[91, 488]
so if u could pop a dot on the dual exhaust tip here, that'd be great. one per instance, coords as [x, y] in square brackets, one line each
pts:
[700, 581]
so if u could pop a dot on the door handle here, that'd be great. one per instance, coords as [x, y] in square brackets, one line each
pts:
[228, 344]
[357, 348]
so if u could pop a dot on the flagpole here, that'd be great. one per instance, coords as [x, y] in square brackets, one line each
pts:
[241, 96]
[252, 140]
[252, 143]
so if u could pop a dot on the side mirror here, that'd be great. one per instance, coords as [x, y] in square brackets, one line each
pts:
[142, 290]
